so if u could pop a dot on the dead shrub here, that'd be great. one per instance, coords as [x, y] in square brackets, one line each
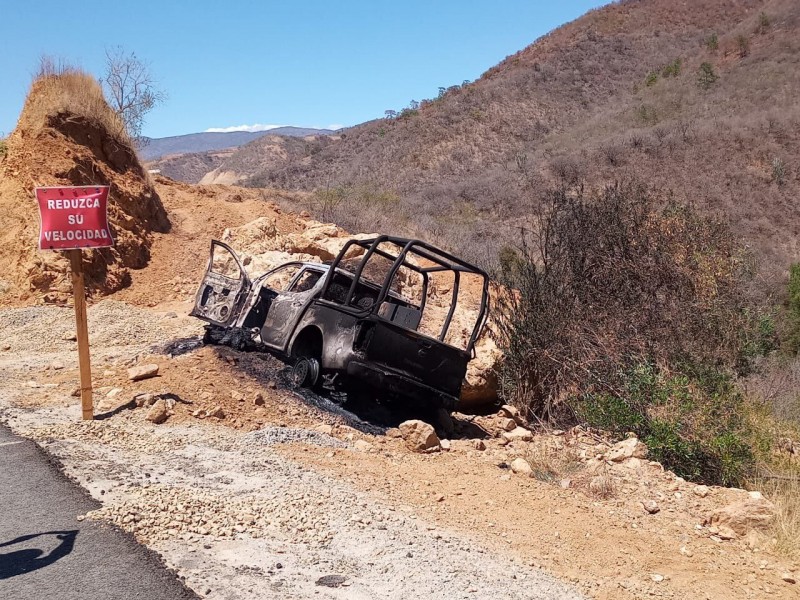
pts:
[550, 463]
[61, 88]
[603, 485]
[606, 277]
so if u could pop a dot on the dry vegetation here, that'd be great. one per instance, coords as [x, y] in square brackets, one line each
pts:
[619, 93]
[68, 135]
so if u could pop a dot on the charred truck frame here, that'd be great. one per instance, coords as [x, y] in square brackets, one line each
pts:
[350, 322]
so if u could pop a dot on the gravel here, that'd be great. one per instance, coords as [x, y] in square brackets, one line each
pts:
[233, 517]
[269, 436]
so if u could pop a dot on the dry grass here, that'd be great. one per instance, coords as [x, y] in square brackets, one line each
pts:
[603, 485]
[784, 492]
[62, 89]
[550, 462]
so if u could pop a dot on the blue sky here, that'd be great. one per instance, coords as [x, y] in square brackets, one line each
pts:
[237, 63]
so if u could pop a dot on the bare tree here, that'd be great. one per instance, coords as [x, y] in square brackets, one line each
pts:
[130, 89]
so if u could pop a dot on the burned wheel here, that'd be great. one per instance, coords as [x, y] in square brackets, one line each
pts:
[305, 372]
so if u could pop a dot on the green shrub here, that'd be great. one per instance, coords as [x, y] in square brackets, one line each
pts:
[763, 23]
[743, 45]
[689, 421]
[673, 69]
[651, 79]
[793, 310]
[3, 148]
[706, 76]
[712, 43]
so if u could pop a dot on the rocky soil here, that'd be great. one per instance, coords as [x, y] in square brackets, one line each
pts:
[230, 513]
[248, 489]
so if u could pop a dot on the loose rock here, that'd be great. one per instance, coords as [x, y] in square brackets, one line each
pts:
[520, 466]
[142, 372]
[158, 412]
[741, 517]
[419, 435]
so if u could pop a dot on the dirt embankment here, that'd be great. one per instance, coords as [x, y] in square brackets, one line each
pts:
[67, 135]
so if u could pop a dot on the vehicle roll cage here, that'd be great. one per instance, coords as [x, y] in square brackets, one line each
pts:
[443, 261]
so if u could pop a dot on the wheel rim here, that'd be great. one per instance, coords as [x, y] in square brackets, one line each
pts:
[300, 372]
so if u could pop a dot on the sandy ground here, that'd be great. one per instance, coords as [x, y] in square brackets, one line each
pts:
[273, 497]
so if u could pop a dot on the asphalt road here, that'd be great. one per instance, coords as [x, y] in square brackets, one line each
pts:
[46, 553]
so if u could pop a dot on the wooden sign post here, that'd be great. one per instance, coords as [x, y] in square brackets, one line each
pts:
[74, 218]
[82, 333]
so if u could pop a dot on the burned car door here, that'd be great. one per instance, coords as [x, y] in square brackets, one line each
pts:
[288, 306]
[224, 289]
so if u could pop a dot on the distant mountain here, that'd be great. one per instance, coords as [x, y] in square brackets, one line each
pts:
[203, 142]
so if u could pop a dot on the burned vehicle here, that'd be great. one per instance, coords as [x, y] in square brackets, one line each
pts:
[380, 315]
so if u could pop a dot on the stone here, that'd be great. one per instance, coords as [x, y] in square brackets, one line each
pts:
[630, 448]
[509, 412]
[142, 372]
[419, 436]
[479, 444]
[741, 517]
[520, 466]
[657, 577]
[445, 445]
[651, 506]
[6, 347]
[158, 412]
[216, 412]
[57, 366]
[237, 396]
[726, 533]
[789, 578]
[145, 399]
[114, 392]
[566, 483]
[69, 336]
[76, 392]
[258, 399]
[362, 446]
[394, 433]
[700, 490]
[519, 434]
[507, 424]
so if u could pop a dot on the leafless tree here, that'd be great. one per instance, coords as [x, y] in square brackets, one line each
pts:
[130, 89]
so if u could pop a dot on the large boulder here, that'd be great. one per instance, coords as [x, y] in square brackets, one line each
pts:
[753, 513]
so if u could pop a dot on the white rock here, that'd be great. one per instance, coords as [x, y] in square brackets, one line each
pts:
[520, 466]
[630, 448]
[520, 434]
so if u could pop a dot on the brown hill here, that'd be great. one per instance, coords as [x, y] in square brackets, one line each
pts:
[67, 135]
[621, 92]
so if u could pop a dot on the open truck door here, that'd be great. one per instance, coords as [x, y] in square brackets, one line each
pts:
[224, 289]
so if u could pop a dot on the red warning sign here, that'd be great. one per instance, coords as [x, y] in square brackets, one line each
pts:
[73, 218]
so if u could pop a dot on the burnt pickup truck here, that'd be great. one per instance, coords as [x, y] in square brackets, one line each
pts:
[380, 316]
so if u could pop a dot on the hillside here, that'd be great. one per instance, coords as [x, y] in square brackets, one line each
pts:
[619, 93]
[203, 142]
[68, 135]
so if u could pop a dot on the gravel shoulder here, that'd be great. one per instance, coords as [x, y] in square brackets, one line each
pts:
[233, 515]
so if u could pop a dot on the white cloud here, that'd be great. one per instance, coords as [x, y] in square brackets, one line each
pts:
[251, 128]
[335, 126]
